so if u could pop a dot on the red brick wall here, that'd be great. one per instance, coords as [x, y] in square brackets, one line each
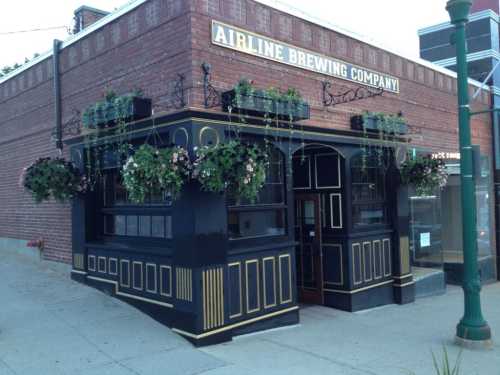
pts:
[149, 46]
[145, 49]
[427, 99]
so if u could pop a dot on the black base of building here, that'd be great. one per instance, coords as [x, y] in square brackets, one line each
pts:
[360, 300]
[404, 294]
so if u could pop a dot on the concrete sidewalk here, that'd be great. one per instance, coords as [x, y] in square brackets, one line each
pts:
[51, 325]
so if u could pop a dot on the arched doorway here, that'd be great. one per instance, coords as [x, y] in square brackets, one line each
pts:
[318, 184]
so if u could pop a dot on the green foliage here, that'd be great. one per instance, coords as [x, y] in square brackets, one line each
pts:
[8, 69]
[424, 173]
[151, 171]
[445, 368]
[234, 167]
[388, 124]
[53, 178]
[271, 101]
[112, 109]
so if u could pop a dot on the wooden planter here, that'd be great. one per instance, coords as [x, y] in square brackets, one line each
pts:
[259, 105]
[108, 113]
[360, 122]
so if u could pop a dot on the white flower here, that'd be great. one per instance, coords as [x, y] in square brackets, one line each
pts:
[246, 181]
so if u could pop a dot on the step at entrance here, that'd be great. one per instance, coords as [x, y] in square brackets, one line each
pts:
[429, 281]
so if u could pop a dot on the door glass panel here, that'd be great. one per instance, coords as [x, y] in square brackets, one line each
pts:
[309, 213]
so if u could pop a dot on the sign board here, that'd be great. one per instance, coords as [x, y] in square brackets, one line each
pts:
[425, 239]
[257, 45]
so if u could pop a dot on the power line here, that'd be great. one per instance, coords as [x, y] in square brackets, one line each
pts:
[33, 30]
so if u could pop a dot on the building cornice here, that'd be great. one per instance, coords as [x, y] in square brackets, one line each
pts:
[276, 4]
[131, 5]
[470, 57]
[488, 13]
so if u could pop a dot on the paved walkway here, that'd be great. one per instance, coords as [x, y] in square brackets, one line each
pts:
[51, 325]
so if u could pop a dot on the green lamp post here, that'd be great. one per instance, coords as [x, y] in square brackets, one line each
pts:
[472, 330]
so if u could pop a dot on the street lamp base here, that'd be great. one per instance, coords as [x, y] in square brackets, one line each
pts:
[473, 337]
[474, 344]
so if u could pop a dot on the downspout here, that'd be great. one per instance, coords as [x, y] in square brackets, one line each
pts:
[57, 94]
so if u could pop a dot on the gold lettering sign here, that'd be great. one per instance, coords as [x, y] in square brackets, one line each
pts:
[247, 42]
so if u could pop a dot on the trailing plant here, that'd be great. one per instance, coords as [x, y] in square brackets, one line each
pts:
[383, 126]
[151, 171]
[110, 110]
[53, 178]
[246, 97]
[425, 173]
[114, 109]
[243, 92]
[233, 167]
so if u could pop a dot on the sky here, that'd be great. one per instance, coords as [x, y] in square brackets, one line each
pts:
[392, 23]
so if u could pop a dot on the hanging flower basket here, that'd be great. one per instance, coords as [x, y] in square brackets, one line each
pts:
[425, 174]
[233, 167]
[245, 99]
[129, 107]
[380, 122]
[55, 178]
[151, 171]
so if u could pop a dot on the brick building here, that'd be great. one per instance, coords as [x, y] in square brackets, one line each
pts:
[217, 268]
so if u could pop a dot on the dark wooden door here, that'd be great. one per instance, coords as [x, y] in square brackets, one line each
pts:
[308, 252]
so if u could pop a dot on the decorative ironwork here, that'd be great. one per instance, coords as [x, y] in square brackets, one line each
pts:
[178, 97]
[179, 92]
[72, 127]
[330, 99]
[211, 95]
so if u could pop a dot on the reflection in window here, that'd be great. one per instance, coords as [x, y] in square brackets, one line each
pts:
[369, 204]
[273, 191]
[267, 215]
[256, 223]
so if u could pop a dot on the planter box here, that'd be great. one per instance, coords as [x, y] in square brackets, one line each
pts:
[359, 122]
[259, 105]
[108, 113]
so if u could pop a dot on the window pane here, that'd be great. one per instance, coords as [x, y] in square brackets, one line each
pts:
[120, 225]
[132, 225]
[273, 190]
[145, 226]
[369, 214]
[301, 172]
[168, 226]
[327, 170]
[158, 226]
[120, 192]
[256, 223]
[109, 224]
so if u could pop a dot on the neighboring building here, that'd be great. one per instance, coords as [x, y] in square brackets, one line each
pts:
[330, 227]
[436, 45]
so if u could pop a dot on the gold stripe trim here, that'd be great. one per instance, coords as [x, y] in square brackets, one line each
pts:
[358, 290]
[227, 123]
[403, 285]
[79, 272]
[403, 277]
[235, 325]
[117, 292]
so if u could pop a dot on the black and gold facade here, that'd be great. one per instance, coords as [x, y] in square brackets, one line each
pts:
[212, 268]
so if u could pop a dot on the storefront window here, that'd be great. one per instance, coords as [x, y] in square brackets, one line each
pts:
[369, 204]
[121, 217]
[267, 215]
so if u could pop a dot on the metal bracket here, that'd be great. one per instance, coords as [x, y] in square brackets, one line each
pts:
[178, 99]
[331, 99]
[212, 97]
